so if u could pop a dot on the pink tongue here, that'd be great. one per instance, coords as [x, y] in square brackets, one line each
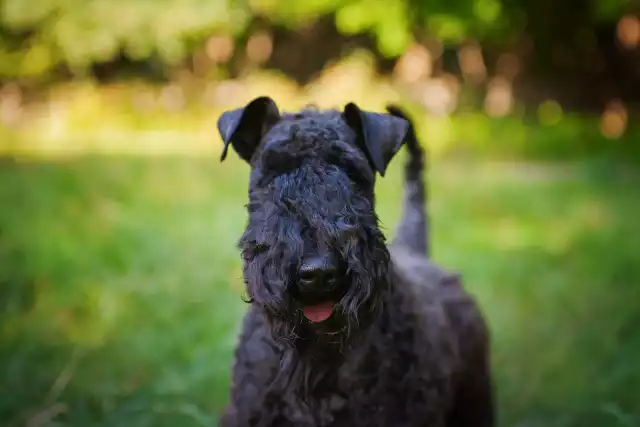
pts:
[318, 313]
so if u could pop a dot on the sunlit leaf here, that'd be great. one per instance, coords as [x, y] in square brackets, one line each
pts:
[487, 10]
[447, 27]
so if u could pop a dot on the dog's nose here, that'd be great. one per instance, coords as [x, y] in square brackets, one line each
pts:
[317, 273]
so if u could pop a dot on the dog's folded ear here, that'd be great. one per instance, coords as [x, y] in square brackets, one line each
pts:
[244, 128]
[380, 135]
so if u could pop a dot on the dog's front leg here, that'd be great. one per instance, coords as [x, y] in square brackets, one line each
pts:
[255, 369]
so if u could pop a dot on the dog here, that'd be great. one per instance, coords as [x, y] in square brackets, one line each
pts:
[343, 329]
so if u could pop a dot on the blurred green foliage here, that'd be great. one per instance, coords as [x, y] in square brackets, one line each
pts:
[120, 289]
[38, 36]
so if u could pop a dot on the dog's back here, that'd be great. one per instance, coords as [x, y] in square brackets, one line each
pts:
[429, 284]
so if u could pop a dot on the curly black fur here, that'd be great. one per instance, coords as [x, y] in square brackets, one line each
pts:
[405, 346]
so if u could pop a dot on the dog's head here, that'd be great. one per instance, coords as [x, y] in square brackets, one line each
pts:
[314, 257]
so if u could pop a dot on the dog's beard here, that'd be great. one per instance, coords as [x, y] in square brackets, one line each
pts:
[270, 275]
[315, 351]
[364, 287]
[356, 310]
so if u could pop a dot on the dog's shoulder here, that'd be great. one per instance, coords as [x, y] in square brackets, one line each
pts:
[416, 269]
[423, 276]
[429, 284]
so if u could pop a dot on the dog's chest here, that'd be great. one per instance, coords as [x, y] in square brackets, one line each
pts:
[371, 392]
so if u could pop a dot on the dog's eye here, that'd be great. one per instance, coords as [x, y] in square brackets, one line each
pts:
[260, 247]
[253, 249]
[352, 170]
[356, 177]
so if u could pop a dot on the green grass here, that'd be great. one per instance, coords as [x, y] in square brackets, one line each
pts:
[120, 286]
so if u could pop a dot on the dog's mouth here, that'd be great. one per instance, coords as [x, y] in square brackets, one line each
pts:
[319, 312]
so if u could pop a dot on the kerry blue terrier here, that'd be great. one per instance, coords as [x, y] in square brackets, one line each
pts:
[343, 330]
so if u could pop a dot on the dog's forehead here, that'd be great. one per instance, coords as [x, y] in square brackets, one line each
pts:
[319, 137]
[310, 128]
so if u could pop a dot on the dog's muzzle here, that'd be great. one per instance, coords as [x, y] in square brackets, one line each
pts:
[318, 288]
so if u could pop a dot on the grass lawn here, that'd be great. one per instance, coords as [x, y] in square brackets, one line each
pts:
[120, 286]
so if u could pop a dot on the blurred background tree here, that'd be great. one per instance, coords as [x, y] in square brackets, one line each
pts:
[564, 47]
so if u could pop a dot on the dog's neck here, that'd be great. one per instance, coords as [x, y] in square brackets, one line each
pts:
[312, 366]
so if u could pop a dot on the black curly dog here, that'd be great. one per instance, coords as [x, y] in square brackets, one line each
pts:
[343, 330]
